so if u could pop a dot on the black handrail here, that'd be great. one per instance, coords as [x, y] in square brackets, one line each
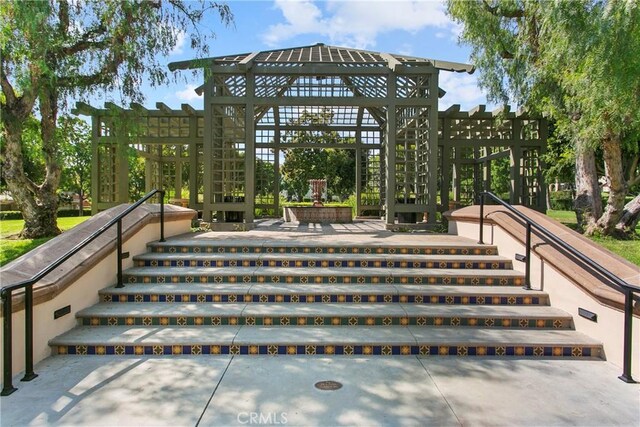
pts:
[612, 281]
[6, 291]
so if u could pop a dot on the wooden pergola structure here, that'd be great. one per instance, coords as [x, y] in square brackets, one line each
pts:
[412, 161]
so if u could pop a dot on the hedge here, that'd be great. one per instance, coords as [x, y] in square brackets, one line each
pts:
[62, 213]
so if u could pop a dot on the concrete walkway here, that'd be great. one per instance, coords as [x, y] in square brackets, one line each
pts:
[250, 390]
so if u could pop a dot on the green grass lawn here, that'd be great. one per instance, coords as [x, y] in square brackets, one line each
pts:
[627, 249]
[11, 247]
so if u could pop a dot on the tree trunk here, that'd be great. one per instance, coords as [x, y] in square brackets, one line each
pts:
[587, 204]
[36, 211]
[612, 153]
[39, 204]
[80, 202]
[630, 216]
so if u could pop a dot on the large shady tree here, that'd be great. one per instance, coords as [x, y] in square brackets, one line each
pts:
[53, 50]
[577, 63]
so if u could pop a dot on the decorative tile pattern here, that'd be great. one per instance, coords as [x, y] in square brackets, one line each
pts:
[347, 320]
[331, 349]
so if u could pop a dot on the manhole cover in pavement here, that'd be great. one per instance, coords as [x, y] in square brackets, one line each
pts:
[328, 385]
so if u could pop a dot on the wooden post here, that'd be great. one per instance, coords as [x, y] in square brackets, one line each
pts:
[390, 149]
[432, 146]
[250, 150]
[193, 162]
[95, 164]
[207, 148]
[515, 151]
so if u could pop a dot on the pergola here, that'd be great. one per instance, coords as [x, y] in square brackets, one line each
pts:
[412, 161]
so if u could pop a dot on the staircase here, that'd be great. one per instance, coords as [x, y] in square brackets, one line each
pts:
[251, 296]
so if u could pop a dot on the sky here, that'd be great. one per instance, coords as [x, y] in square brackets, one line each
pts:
[416, 28]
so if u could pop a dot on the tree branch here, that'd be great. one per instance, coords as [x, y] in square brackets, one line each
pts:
[87, 42]
[63, 17]
[498, 11]
[7, 88]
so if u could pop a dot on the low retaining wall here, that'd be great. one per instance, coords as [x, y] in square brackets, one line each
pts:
[569, 284]
[318, 214]
[77, 281]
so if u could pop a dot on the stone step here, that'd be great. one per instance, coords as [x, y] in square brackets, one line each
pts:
[344, 293]
[323, 314]
[392, 340]
[447, 246]
[326, 275]
[323, 260]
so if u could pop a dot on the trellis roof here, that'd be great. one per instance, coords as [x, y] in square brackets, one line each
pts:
[319, 54]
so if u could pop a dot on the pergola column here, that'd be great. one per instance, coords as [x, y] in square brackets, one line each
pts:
[250, 150]
[515, 157]
[390, 150]
[207, 150]
[432, 145]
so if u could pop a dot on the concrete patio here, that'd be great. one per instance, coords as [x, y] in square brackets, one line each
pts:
[396, 391]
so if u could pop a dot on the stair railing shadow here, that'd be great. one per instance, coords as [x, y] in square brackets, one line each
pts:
[606, 276]
[27, 285]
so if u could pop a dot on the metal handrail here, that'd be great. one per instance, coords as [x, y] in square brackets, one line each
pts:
[612, 281]
[6, 291]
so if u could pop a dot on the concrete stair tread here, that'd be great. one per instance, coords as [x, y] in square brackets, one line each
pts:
[312, 271]
[318, 309]
[168, 335]
[398, 241]
[318, 257]
[313, 289]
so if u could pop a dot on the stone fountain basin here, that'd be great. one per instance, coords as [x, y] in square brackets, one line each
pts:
[318, 214]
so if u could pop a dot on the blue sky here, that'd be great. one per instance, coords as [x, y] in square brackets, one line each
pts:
[418, 28]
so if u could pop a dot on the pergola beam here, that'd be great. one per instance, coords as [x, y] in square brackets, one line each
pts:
[139, 108]
[247, 62]
[189, 109]
[392, 62]
[164, 108]
[477, 110]
[113, 107]
[82, 108]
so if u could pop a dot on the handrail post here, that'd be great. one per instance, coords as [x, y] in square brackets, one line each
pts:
[162, 216]
[28, 334]
[481, 218]
[628, 321]
[7, 362]
[527, 260]
[119, 283]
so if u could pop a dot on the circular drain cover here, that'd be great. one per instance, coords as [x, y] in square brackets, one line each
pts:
[328, 385]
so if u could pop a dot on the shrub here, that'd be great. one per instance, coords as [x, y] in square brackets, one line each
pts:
[62, 213]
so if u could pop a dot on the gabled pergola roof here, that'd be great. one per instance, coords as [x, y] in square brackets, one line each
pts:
[321, 54]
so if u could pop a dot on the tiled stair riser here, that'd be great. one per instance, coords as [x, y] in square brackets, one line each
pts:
[336, 349]
[184, 277]
[314, 286]
[362, 250]
[486, 322]
[330, 298]
[295, 263]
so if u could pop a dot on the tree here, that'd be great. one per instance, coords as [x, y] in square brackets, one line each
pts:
[341, 172]
[300, 165]
[575, 62]
[337, 166]
[75, 137]
[50, 51]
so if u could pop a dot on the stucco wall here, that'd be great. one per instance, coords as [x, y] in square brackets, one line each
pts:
[569, 287]
[79, 279]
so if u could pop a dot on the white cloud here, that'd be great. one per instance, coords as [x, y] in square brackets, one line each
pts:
[181, 38]
[354, 23]
[461, 88]
[188, 94]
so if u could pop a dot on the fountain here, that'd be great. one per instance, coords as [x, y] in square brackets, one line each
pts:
[318, 213]
[317, 189]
